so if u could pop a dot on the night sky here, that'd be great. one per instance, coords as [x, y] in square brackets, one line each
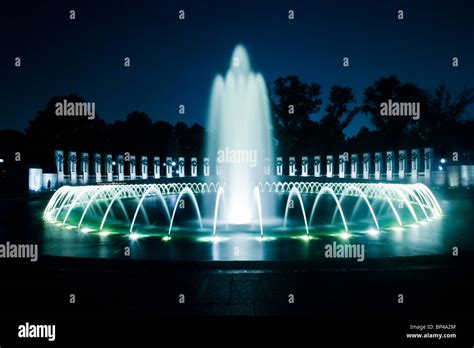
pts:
[174, 62]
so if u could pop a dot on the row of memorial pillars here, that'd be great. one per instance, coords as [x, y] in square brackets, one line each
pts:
[178, 168]
[343, 161]
[120, 163]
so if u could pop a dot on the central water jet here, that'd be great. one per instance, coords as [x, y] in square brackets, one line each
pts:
[240, 135]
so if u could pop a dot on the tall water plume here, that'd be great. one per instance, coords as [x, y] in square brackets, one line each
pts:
[240, 138]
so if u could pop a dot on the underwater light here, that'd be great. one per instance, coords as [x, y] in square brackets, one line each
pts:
[345, 235]
[104, 233]
[214, 239]
[69, 227]
[263, 239]
[86, 230]
[166, 238]
[397, 229]
[134, 236]
[373, 232]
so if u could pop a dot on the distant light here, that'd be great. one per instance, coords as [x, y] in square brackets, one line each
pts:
[397, 228]
[440, 168]
[173, 163]
[1, 160]
[113, 163]
[85, 230]
[166, 238]
[443, 161]
[104, 233]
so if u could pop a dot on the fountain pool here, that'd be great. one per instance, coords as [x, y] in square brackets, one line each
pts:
[241, 213]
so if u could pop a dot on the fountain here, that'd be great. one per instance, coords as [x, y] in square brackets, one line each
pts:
[242, 201]
[240, 134]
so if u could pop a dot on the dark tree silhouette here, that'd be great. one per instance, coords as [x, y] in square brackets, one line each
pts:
[445, 122]
[339, 113]
[47, 132]
[137, 134]
[294, 101]
[394, 129]
[164, 139]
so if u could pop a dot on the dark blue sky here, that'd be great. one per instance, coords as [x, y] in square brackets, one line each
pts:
[174, 62]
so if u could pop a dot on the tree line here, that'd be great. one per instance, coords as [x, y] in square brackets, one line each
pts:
[302, 125]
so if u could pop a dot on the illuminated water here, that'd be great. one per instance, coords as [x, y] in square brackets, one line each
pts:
[22, 220]
[240, 135]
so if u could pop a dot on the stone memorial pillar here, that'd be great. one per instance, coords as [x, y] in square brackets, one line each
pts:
[317, 166]
[133, 168]
[415, 163]
[266, 166]
[304, 166]
[144, 167]
[156, 167]
[292, 166]
[169, 167]
[85, 167]
[120, 168]
[109, 167]
[378, 165]
[194, 166]
[402, 164]
[354, 166]
[366, 165]
[279, 166]
[59, 159]
[181, 167]
[72, 164]
[342, 166]
[390, 164]
[97, 167]
[206, 167]
[329, 166]
[428, 162]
